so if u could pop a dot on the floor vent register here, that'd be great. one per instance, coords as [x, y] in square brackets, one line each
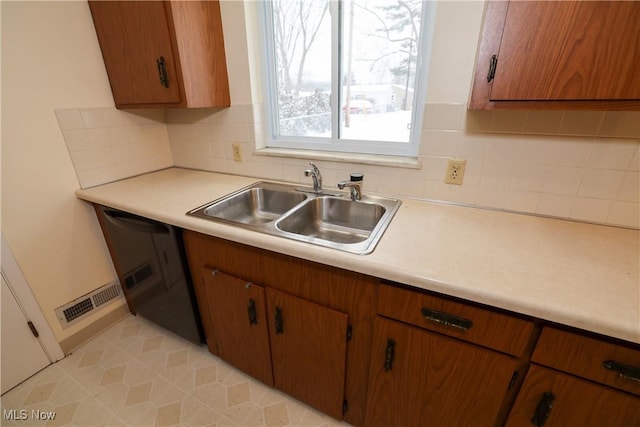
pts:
[75, 310]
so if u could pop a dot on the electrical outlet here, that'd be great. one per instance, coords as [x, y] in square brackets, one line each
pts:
[455, 171]
[237, 154]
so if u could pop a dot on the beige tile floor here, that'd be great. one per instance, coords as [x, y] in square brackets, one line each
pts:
[136, 373]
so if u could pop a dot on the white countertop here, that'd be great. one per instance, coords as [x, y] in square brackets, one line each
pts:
[577, 274]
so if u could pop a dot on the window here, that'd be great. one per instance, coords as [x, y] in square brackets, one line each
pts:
[346, 75]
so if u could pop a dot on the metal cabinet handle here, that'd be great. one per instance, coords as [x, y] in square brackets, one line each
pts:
[278, 324]
[253, 315]
[543, 410]
[446, 319]
[162, 71]
[389, 355]
[493, 63]
[623, 371]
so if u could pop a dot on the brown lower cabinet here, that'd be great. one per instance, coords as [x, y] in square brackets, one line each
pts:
[239, 323]
[551, 398]
[300, 326]
[420, 378]
[383, 354]
[579, 379]
[308, 351]
[287, 342]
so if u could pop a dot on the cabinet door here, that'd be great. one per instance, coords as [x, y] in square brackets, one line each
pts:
[569, 50]
[239, 323]
[419, 378]
[553, 399]
[308, 347]
[134, 36]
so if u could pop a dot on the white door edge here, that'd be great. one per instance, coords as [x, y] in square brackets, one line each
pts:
[21, 290]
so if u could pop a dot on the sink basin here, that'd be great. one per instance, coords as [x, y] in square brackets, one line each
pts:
[257, 204]
[333, 219]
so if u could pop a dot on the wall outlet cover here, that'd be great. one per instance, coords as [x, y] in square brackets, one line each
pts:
[455, 171]
[237, 153]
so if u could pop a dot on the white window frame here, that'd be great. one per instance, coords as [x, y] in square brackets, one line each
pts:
[336, 144]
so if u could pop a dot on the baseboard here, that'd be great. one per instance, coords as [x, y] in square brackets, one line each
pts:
[76, 340]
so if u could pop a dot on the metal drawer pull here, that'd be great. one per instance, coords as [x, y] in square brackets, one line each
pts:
[623, 371]
[543, 410]
[447, 319]
[253, 315]
[389, 354]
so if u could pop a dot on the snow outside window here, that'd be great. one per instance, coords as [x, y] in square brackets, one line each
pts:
[346, 75]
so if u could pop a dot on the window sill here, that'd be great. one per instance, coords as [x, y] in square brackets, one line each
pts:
[333, 156]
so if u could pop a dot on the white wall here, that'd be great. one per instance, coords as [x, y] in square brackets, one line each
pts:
[50, 60]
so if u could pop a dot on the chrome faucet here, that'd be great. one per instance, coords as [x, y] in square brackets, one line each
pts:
[314, 172]
[354, 186]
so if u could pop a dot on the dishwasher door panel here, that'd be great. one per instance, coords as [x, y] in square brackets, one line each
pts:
[150, 262]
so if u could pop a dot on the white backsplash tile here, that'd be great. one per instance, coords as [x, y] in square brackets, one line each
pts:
[496, 174]
[625, 213]
[93, 118]
[529, 177]
[555, 205]
[106, 144]
[472, 173]
[503, 148]
[76, 139]
[491, 197]
[543, 122]
[612, 154]
[508, 121]
[630, 188]
[434, 168]
[588, 209]
[581, 123]
[522, 201]
[69, 119]
[571, 151]
[634, 162]
[437, 190]
[473, 146]
[443, 116]
[388, 185]
[535, 149]
[621, 124]
[465, 194]
[439, 143]
[574, 164]
[601, 183]
[412, 188]
[563, 180]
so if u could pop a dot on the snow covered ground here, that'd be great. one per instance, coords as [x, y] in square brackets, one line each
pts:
[392, 126]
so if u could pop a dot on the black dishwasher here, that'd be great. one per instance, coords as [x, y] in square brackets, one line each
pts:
[151, 264]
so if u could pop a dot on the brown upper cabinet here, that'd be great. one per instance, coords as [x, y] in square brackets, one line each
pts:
[163, 54]
[558, 55]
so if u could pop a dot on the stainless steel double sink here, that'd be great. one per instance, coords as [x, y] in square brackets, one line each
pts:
[327, 219]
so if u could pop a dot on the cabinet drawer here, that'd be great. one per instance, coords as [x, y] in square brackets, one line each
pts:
[586, 357]
[554, 399]
[478, 325]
